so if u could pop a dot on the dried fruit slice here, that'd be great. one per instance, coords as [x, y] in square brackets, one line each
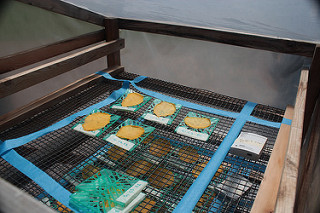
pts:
[89, 170]
[199, 167]
[161, 178]
[96, 121]
[130, 132]
[164, 109]
[145, 206]
[197, 123]
[115, 153]
[160, 147]
[139, 167]
[132, 99]
[188, 154]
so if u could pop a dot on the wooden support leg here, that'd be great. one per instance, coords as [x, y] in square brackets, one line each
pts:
[313, 88]
[112, 33]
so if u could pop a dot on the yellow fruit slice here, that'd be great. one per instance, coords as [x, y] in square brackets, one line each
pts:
[130, 132]
[197, 123]
[115, 153]
[199, 167]
[164, 109]
[132, 99]
[145, 206]
[161, 178]
[89, 170]
[139, 167]
[188, 154]
[96, 121]
[160, 147]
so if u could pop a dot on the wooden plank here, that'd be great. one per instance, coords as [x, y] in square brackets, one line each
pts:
[313, 88]
[28, 57]
[288, 184]
[112, 33]
[274, 44]
[10, 119]
[41, 73]
[308, 195]
[267, 195]
[67, 9]
[15, 200]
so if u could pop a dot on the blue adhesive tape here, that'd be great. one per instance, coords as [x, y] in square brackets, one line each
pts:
[193, 105]
[108, 76]
[287, 121]
[186, 103]
[13, 143]
[38, 176]
[196, 190]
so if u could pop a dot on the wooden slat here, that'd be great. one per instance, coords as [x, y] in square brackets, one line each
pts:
[41, 73]
[22, 113]
[67, 9]
[288, 184]
[112, 33]
[25, 58]
[313, 88]
[267, 195]
[228, 37]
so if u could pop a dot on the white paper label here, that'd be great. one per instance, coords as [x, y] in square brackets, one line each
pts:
[192, 134]
[155, 118]
[123, 108]
[250, 142]
[130, 193]
[131, 205]
[127, 145]
[90, 133]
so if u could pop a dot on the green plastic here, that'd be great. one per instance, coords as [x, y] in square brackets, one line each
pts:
[201, 134]
[117, 105]
[105, 190]
[133, 143]
[97, 133]
[169, 118]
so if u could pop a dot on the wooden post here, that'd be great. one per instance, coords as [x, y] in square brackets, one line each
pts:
[267, 195]
[313, 88]
[288, 184]
[112, 33]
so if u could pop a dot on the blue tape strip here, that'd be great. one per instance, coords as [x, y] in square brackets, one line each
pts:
[108, 76]
[193, 105]
[196, 190]
[39, 177]
[287, 121]
[13, 143]
[186, 103]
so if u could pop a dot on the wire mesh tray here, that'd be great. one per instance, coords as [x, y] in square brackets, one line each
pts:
[168, 161]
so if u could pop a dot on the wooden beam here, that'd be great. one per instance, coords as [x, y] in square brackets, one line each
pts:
[265, 200]
[41, 73]
[274, 44]
[28, 57]
[112, 33]
[67, 9]
[313, 88]
[10, 119]
[288, 184]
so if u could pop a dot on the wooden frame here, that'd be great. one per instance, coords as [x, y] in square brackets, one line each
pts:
[286, 152]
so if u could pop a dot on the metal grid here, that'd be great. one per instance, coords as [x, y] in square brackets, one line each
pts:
[169, 169]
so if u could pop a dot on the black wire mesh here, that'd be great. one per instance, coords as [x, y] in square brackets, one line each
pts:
[170, 162]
